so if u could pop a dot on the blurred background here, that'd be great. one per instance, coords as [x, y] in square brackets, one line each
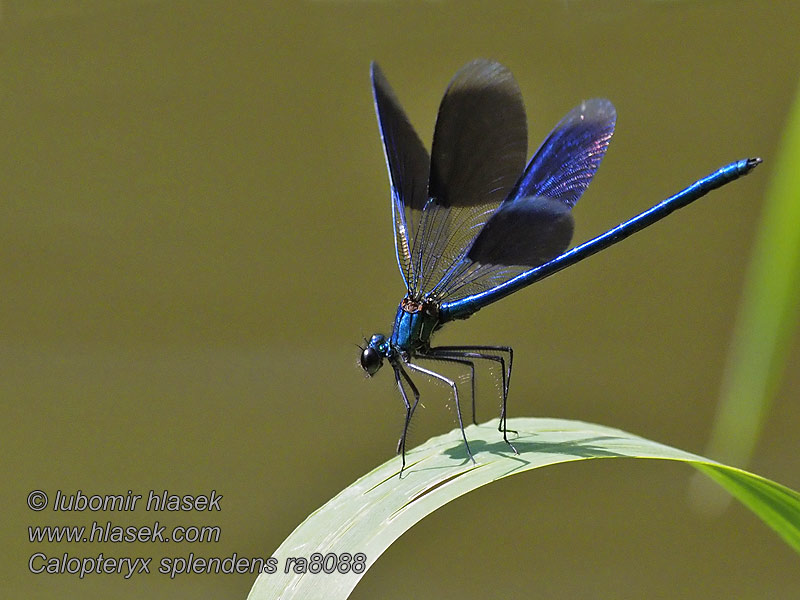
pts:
[195, 234]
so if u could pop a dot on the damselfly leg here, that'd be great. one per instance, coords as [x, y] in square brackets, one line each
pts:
[400, 375]
[454, 387]
[481, 353]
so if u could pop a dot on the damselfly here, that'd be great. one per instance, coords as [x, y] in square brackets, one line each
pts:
[472, 224]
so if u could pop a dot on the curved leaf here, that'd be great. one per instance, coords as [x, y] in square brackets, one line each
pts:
[377, 509]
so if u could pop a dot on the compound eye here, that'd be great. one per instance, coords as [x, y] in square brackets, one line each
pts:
[371, 361]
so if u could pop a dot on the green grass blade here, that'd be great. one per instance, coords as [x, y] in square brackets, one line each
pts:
[768, 314]
[773, 502]
[378, 508]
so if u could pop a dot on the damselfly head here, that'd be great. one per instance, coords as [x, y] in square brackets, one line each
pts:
[372, 356]
[371, 361]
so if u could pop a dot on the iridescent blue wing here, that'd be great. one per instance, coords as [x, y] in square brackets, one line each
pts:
[567, 160]
[409, 166]
[479, 149]
[534, 224]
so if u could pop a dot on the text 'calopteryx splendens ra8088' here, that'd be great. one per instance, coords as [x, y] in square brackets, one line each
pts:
[473, 224]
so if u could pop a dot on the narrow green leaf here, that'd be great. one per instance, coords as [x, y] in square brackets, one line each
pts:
[768, 313]
[377, 509]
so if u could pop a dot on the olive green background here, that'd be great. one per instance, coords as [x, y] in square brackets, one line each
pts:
[195, 234]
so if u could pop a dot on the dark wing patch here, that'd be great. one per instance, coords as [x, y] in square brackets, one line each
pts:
[409, 167]
[481, 139]
[526, 232]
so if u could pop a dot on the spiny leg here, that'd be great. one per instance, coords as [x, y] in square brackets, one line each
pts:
[445, 353]
[460, 359]
[477, 349]
[454, 355]
[453, 386]
[475, 352]
[401, 443]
